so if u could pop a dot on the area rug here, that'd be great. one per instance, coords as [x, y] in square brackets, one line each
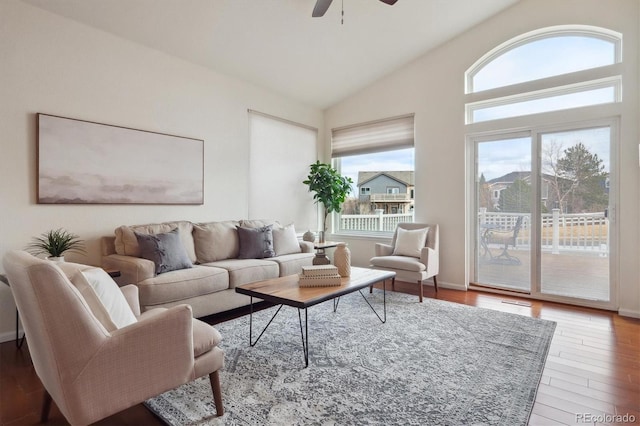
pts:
[431, 363]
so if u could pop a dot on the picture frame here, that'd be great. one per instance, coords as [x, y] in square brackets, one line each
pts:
[84, 162]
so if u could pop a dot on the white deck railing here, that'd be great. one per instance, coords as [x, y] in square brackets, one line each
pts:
[373, 222]
[579, 232]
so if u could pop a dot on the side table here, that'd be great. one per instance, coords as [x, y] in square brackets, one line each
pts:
[321, 255]
[19, 340]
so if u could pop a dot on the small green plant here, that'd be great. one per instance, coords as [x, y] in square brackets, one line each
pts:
[55, 243]
[331, 189]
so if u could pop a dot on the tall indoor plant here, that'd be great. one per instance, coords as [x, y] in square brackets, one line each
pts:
[329, 187]
[55, 244]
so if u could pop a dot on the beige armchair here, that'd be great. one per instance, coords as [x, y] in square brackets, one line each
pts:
[412, 255]
[90, 367]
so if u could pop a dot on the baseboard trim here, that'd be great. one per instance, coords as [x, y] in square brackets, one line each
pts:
[8, 336]
[451, 286]
[628, 313]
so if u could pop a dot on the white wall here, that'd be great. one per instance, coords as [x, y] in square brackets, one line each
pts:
[54, 65]
[433, 88]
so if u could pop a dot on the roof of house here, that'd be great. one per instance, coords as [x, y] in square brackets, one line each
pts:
[405, 177]
[513, 176]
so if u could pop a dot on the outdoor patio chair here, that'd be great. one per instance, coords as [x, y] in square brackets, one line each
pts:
[413, 254]
[505, 238]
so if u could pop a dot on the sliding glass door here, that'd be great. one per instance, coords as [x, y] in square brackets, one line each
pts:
[574, 217]
[503, 199]
[542, 210]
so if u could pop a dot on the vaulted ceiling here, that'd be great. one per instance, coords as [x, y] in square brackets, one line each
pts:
[276, 44]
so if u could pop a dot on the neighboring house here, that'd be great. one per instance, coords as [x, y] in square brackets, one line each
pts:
[390, 191]
[499, 184]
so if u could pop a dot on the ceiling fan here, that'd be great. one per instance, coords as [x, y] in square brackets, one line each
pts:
[322, 6]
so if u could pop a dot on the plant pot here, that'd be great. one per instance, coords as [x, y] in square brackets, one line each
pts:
[57, 259]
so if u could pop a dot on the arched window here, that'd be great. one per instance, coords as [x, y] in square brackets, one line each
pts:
[550, 69]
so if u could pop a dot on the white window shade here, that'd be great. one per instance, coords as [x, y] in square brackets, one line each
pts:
[375, 136]
[279, 158]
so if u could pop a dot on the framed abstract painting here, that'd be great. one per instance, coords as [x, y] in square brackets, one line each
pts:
[82, 162]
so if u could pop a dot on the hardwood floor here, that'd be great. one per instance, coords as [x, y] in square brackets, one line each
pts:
[593, 367]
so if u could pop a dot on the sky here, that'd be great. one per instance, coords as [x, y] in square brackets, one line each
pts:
[497, 158]
[537, 59]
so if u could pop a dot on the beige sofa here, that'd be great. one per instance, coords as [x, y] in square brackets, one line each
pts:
[216, 262]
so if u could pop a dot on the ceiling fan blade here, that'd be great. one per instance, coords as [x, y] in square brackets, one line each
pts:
[389, 2]
[320, 8]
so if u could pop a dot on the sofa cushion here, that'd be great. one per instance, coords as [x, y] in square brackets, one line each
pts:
[257, 223]
[244, 271]
[216, 241]
[126, 242]
[165, 250]
[183, 284]
[291, 264]
[285, 240]
[255, 243]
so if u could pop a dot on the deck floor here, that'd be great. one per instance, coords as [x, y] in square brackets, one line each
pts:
[573, 274]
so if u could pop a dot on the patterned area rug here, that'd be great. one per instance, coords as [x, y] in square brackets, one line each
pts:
[435, 363]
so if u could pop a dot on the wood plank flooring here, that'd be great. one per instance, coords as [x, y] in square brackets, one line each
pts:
[593, 367]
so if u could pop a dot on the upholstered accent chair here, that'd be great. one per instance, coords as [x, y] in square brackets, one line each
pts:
[93, 351]
[413, 254]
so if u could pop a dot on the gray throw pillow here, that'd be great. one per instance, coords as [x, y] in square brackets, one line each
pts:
[256, 243]
[165, 250]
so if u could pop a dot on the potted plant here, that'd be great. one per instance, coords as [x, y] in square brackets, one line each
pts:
[329, 188]
[55, 243]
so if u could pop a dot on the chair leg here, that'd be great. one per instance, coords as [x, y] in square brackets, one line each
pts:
[435, 283]
[421, 290]
[214, 378]
[393, 284]
[46, 407]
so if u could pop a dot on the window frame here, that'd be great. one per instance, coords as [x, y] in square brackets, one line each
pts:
[536, 124]
[604, 34]
[547, 87]
[335, 218]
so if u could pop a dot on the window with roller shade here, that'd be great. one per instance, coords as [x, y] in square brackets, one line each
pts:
[376, 155]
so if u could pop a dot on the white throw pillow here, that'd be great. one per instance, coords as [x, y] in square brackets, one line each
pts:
[409, 242]
[109, 294]
[90, 296]
[285, 240]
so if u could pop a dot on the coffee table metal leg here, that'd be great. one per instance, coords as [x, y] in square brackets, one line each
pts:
[305, 336]
[384, 303]
[252, 344]
[336, 302]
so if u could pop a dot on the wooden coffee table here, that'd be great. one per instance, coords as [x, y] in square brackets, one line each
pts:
[286, 291]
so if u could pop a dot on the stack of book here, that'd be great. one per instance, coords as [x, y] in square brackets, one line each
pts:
[319, 276]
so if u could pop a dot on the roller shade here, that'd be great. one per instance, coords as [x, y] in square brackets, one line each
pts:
[374, 136]
[275, 191]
